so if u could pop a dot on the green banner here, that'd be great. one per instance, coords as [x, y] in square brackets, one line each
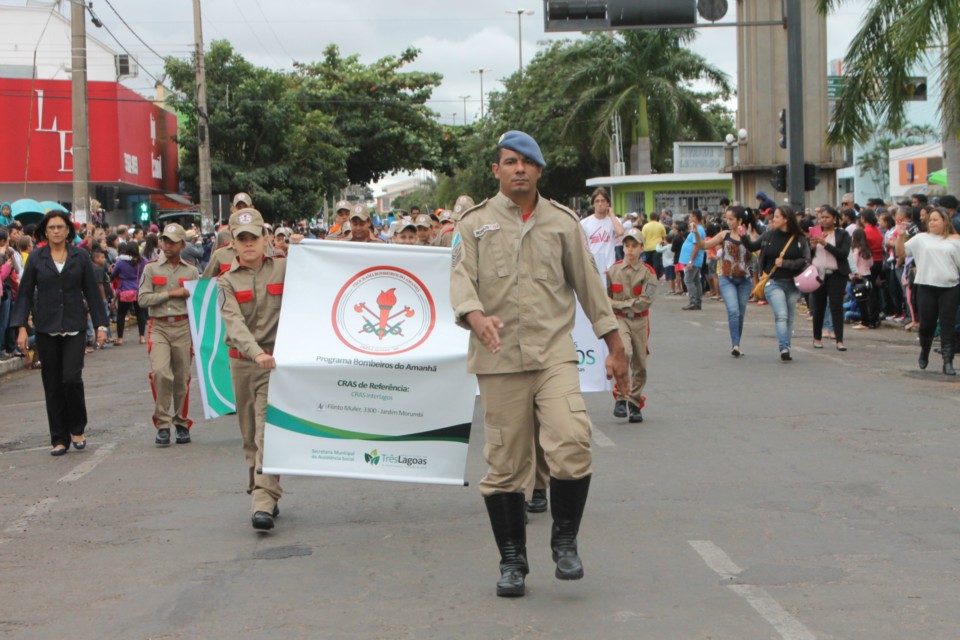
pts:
[210, 350]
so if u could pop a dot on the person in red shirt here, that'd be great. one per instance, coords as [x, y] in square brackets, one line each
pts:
[868, 219]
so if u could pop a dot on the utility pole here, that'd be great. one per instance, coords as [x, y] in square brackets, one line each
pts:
[520, 13]
[795, 171]
[203, 131]
[481, 71]
[81, 136]
[464, 98]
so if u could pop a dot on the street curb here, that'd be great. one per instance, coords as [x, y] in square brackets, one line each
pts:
[11, 365]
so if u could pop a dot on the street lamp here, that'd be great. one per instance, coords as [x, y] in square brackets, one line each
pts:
[454, 118]
[520, 13]
[464, 98]
[481, 71]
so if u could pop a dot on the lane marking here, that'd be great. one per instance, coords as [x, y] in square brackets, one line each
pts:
[87, 466]
[601, 439]
[43, 448]
[33, 511]
[762, 602]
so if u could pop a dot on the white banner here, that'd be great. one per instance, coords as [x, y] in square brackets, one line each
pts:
[592, 354]
[371, 377]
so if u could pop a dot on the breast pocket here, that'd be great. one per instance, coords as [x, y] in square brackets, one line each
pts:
[491, 256]
[275, 295]
[548, 258]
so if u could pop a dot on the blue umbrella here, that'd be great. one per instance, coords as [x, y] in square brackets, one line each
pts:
[50, 205]
[26, 205]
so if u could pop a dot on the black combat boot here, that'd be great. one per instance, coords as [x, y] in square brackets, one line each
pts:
[538, 502]
[567, 499]
[507, 516]
[925, 344]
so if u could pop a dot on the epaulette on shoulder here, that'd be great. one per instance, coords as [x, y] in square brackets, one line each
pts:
[652, 270]
[616, 263]
[564, 207]
[474, 208]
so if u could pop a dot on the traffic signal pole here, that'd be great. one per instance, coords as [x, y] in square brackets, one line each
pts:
[795, 171]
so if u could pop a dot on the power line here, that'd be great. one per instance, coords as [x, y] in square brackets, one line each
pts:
[255, 34]
[269, 26]
[135, 34]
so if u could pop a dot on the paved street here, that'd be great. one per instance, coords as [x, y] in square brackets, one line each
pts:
[759, 500]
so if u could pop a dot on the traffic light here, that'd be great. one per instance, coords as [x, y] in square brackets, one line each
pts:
[779, 179]
[144, 211]
[810, 179]
[593, 15]
[783, 128]
[916, 89]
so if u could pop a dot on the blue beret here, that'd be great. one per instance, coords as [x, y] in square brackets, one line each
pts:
[523, 144]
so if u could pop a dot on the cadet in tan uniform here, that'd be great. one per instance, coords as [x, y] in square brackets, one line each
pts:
[223, 255]
[168, 335]
[251, 292]
[516, 266]
[424, 224]
[449, 228]
[360, 225]
[632, 287]
[341, 217]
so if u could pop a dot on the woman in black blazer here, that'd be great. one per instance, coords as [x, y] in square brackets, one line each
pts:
[830, 250]
[55, 281]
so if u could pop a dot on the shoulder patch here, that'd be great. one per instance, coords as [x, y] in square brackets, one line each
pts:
[565, 208]
[474, 208]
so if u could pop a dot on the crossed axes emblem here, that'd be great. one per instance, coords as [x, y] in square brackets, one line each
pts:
[380, 323]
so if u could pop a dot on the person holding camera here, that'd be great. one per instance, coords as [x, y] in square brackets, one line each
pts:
[937, 256]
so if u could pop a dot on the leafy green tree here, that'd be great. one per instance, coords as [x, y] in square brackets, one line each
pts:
[379, 110]
[263, 140]
[895, 37]
[643, 77]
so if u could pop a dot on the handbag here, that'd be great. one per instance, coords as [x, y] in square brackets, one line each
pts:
[128, 296]
[809, 280]
[762, 282]
[861, 290]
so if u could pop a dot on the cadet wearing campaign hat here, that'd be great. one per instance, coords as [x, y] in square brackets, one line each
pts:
[342, 211]
[360, 225]
[251, 294]
[518, 269]
[169, 344]
[447, 232]
[223, 257]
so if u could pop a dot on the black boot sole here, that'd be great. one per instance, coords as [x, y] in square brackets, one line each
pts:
[568, 575]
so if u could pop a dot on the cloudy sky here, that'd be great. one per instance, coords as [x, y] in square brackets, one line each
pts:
[456, 37]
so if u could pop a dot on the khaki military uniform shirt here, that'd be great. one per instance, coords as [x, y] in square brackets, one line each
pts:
[250, 305]
[632, 288]
[159, 278]
[445, 236]
[526, 274]
[220, 261]
[370, 238]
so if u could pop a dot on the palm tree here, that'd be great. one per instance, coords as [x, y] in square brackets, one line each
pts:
[896, 36]
[643, 77]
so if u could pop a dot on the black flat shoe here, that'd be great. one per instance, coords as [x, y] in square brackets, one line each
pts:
[736, 353]
[57, 451]
[840, 347]
[80, 445]
[262, 521]
[785, 355]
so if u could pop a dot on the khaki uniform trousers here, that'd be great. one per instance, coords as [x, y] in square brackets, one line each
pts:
[513, 404]
[250, 384]
[171, 349]
[633, 332]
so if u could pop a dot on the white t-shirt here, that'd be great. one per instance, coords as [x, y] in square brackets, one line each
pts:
[937, 259]
[600, 238]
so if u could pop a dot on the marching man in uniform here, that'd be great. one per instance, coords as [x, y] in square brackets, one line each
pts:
[632, 287]
[224, 254]
[519, 261]
[251, 292]
[360, 225]
[168, 335]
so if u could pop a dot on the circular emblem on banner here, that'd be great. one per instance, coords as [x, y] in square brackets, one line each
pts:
[383, 311]
[245, 218]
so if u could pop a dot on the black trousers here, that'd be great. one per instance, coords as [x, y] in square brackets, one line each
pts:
[122, 309]
[831, 291]
[61, 370]
[938, 304]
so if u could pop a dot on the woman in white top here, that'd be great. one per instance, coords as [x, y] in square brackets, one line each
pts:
[937, 255]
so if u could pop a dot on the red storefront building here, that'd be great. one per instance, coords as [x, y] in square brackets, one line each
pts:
[133, 149]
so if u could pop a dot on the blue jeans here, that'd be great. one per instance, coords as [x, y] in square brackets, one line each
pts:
[735, 293]
[5, 308]
[782, 296]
